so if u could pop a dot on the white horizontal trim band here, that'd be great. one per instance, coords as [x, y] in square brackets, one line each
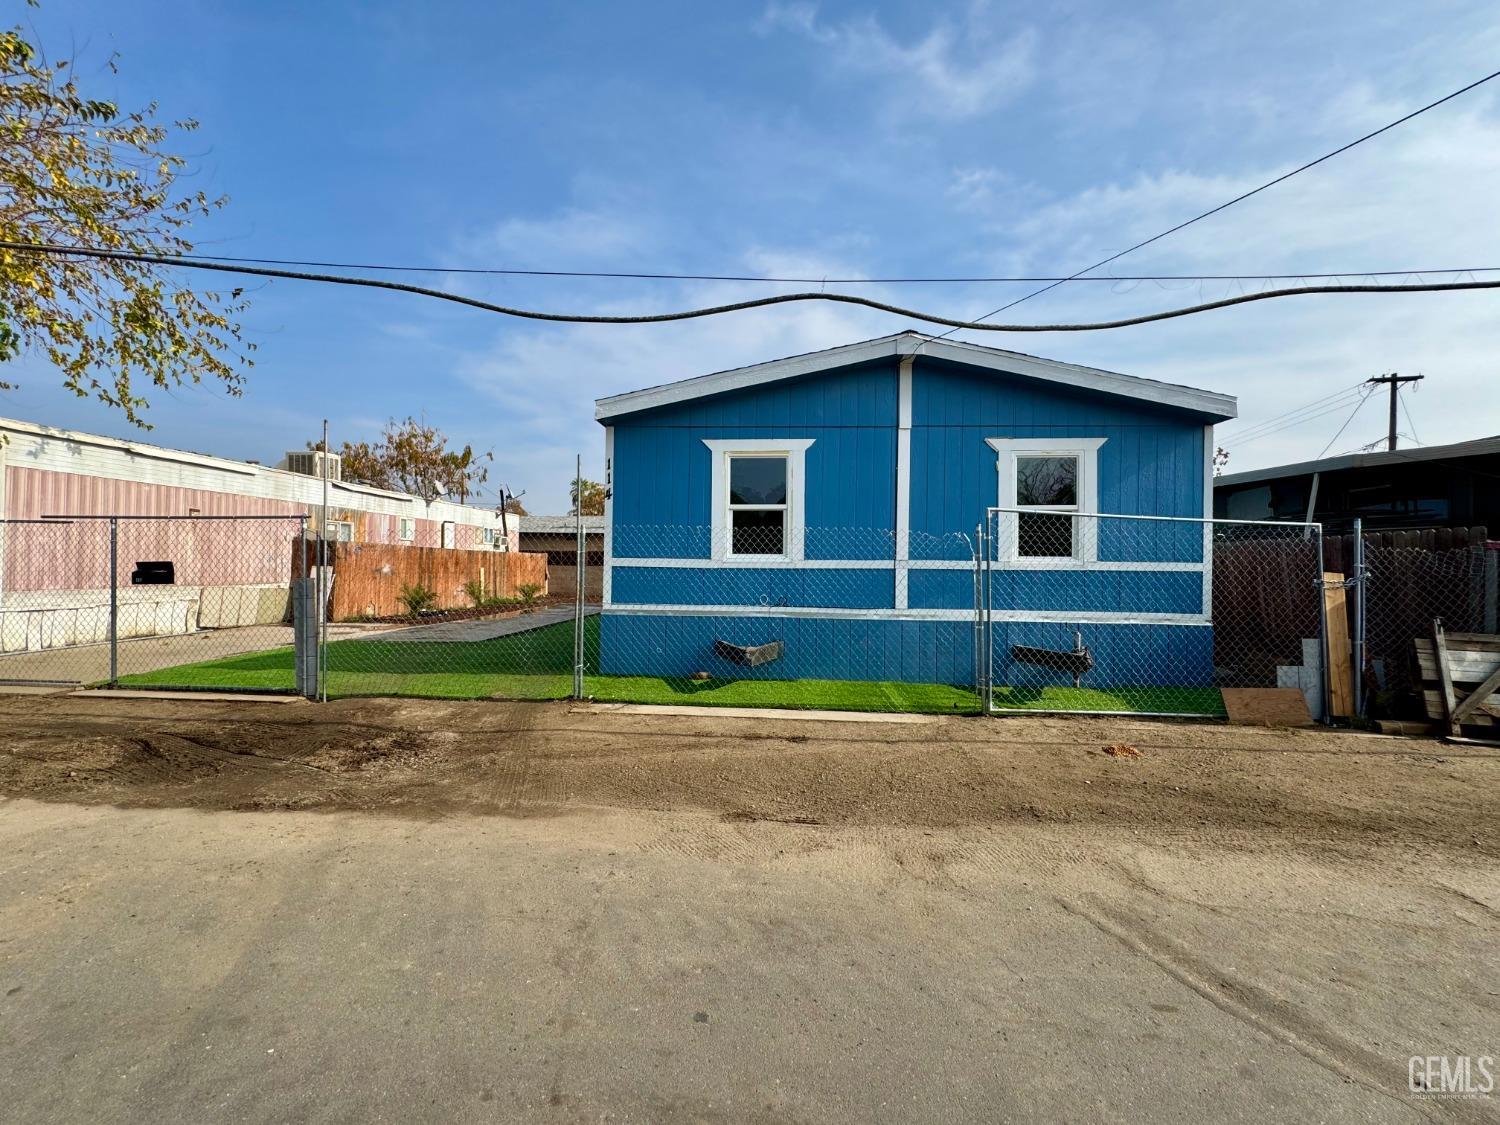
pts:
[626, 609]
[772, 563]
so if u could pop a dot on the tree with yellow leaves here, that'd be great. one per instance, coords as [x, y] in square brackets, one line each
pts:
[82, 172]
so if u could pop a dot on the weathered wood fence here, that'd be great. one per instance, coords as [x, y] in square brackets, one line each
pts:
[369, 577]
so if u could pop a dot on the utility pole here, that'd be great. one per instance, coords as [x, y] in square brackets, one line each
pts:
[1395, 382]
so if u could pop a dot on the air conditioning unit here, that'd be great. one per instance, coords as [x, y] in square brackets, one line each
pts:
[309, 462]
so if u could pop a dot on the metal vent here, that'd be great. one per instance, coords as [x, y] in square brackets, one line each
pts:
[309, 462]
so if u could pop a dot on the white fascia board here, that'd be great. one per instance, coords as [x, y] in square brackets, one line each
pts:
[739, 378]
[1219, 406]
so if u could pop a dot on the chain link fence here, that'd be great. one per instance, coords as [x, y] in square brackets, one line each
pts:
[1037, 610]
[766, 615]
[1405, 580]
[147, 601]
[1147, 614]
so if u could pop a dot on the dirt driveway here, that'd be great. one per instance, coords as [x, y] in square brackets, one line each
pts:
[396, 911]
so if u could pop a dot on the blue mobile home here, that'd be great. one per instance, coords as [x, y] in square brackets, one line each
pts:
[830, 502]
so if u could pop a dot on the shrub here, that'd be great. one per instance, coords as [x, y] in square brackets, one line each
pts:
[528, 594]
[475, 589]
[417, 599]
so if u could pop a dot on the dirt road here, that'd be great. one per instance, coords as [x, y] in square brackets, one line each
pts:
[397, 911]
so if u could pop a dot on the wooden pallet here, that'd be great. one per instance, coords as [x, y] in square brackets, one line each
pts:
[1460, 677]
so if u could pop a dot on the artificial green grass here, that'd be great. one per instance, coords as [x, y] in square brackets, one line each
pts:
[539, 665]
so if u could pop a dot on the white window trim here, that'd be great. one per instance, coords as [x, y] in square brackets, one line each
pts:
[1087, 452]
[795, 450]
[406, 529]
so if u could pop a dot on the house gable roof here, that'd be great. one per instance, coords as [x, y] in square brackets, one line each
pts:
[1216, 406]
[1477, 447]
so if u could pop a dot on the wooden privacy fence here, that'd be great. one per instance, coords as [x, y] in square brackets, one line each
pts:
[369, 577]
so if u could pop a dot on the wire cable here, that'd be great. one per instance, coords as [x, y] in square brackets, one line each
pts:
[1253, 191]
[737, 306]
[604, 274]
[1312, 410]
[1331, 408]
[1407, 411]
[1298, 410]
[1345, 426]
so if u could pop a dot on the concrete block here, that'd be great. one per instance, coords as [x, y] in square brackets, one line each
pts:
[13, 631]
[210, 607]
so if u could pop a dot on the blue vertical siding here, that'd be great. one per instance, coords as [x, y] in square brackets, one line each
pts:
[933, 652]
[1151, 463]
[662, 470]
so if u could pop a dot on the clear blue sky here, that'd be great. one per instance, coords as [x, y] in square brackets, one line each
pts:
[829, 139]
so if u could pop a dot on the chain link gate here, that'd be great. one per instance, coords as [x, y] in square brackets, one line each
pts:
[148, 601]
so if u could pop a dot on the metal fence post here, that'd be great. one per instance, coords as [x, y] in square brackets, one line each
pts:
[1359, 616]
[988, 601]
[1325, 657]
[978, 611]
[114, 602]
[578, 572]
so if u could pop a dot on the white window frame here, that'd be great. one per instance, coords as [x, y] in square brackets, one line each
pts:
[1086, 450]
[795, 452]
[406, 529]
[340, 531]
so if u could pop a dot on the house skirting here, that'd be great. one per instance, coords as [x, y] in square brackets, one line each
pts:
[1172, 650]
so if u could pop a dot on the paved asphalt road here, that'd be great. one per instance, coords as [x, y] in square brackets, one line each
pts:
[179, 966]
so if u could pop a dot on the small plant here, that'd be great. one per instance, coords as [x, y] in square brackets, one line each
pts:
[493, 602]
[528, 594]
[475, 589]
[417, 599]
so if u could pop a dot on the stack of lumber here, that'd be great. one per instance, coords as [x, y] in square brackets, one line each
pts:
[1460, 678]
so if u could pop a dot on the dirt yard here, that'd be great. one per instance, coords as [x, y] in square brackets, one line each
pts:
[426, 759]
[393, 911]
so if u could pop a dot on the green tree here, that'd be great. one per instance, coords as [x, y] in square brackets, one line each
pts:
[414, 457]
[592, 493]
[80, 171]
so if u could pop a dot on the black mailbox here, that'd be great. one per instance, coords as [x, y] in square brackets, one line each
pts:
[153, 574]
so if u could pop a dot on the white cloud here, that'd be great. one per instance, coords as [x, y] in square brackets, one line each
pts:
[1418, 197]
[955, 70]
[575, 236]
[545, 378]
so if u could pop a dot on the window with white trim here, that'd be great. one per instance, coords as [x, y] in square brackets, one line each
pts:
[758, 488]
[407, 531]
[757, 513]
[1046, 488]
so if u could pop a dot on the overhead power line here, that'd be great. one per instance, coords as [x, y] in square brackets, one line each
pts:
[1332, 407]
[737, 306]
[1246, 195]
[1276, 418]
[1339, 432]
[496, 271]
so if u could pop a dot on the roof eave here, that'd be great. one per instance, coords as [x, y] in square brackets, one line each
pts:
[1217, 407]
